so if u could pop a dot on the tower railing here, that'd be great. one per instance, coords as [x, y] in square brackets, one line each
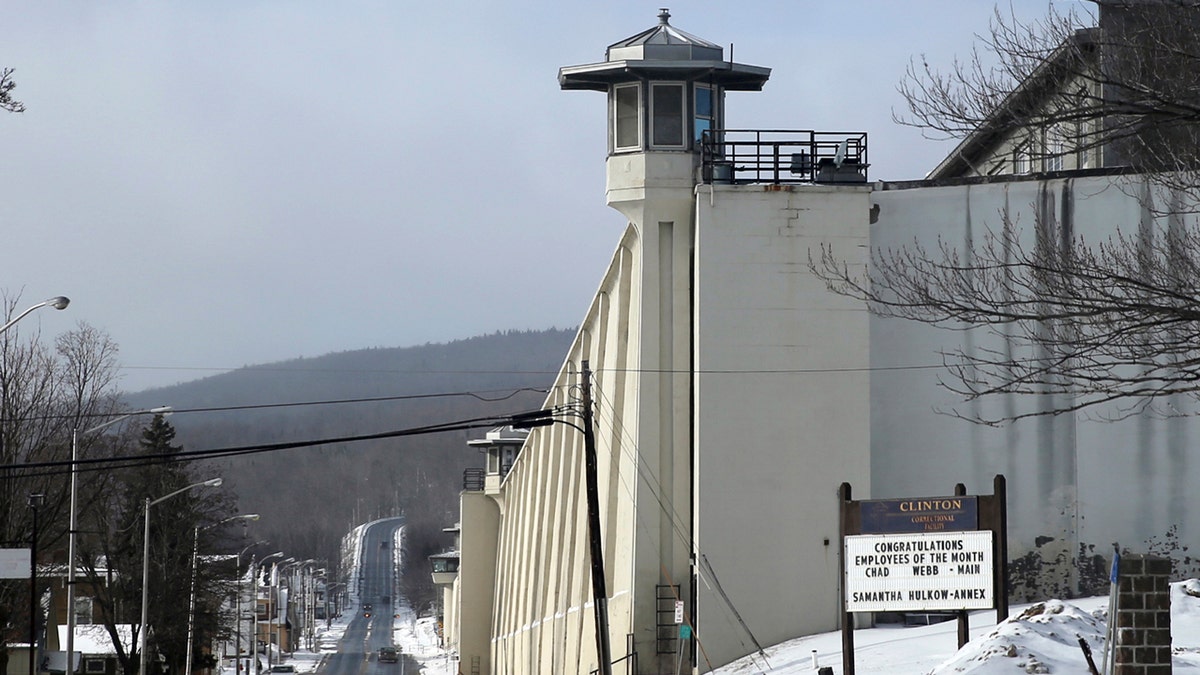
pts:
[474, 479]
[778, 156]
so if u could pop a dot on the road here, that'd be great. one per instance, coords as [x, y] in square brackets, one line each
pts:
[358, 651]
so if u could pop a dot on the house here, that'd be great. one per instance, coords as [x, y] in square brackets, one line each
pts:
[1033, 131]
[1118, 94]
[94, 644]
[89, 621]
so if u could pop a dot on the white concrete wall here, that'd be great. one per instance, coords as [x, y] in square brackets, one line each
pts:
[637, 339]
[475, 588]
[1130, 478]
[734, 393]
[782, 390]
[774, 418]
[450, 610]
[543, 618]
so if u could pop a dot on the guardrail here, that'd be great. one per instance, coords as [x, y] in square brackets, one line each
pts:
[473, 480]
[778, 156]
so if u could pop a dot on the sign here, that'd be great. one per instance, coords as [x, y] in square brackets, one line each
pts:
[919, 572]
[924, 514]
[678, 611]
[14, 563]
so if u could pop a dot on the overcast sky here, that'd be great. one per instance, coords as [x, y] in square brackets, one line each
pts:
[220, 183]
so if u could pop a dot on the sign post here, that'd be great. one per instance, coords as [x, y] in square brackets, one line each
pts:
[922, 554]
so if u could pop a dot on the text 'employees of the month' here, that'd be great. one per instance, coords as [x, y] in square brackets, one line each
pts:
[926, 557]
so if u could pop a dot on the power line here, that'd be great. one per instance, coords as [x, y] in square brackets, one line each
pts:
[360, 371]
[481, 396]
[375, 371]
[128, 461]
[485, 396]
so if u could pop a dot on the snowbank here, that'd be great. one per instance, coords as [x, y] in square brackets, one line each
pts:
[1038, 638]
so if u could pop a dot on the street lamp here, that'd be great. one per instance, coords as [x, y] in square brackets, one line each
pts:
[58, 302]
[310, 602]
[273, 633]
[212, 482]
[257, 670]
[237, 626]
[298, 578]
[35, 500]
[75, 434]
[187, 666]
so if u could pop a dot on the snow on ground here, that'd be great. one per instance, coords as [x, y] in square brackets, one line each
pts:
[1037, 638]
[418, 637]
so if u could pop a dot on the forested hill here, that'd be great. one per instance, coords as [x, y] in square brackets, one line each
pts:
[309, 497]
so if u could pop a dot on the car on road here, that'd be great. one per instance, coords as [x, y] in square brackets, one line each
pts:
[388, 655]
[283, 668]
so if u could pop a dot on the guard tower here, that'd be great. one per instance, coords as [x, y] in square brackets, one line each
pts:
[665, 88]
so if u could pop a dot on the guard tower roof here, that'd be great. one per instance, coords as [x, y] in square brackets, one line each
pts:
[664, 52]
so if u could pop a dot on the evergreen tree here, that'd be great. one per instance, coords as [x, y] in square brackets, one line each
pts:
[175, 524]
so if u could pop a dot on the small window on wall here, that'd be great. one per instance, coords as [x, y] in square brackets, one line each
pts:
[83, 610]
[626, 118]
[1082, 156]
[1056, 147]
[1022, 159]
[705, 111]
[666, 115]
[93, 665]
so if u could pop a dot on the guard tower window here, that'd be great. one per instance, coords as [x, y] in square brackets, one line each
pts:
[666, 114]
[704, 112]
[626, 119]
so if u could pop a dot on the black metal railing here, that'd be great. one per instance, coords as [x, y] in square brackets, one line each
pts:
[781, 156]
[473, 480]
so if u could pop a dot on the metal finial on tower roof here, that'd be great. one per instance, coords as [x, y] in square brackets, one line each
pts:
[663, 15]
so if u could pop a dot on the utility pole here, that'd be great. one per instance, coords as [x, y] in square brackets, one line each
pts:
[35, 501]
[599, 590]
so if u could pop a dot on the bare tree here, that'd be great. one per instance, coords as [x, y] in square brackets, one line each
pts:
[7, 84]
[1121, 80]
[1110, 327]
[1113, 325]
[43, 393]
